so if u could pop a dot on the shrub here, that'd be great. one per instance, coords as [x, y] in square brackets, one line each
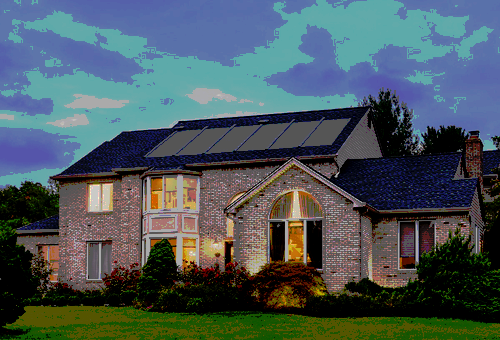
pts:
[286, 285]
[365, 287]
[17, 283]
[93, 298]
[122, 279]
[159, 271]
[454, 282]
[127, 297]
[171, 300]
[196, 305]
[113, 299]
[40, 269]
[233, 276]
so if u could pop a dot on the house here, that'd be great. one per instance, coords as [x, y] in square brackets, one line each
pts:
[309, 187]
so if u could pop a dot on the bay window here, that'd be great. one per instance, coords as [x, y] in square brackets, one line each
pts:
[185, 249]
[415, 238]
[173, 192]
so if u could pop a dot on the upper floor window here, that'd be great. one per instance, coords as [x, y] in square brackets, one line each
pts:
[415, 238]
[100, 197]
[172, 192]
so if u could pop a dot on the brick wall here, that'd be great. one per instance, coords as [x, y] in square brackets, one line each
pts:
[77, 226]
[385, 245]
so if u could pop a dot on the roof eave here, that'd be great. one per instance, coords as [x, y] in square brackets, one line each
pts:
[263, 160]
[426, 210]
[37, 231]
[113, 173]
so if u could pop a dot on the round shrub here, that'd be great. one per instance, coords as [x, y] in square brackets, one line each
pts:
[455, 282]
[159, 271]
[286, 285]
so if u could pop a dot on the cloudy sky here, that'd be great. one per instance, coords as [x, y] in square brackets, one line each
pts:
[77, 73]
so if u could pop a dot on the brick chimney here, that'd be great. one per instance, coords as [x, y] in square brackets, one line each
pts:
[474, 156]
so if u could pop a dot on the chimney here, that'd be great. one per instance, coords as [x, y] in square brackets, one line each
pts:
[474, 157]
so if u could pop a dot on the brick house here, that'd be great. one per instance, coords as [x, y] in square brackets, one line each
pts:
[309, 187]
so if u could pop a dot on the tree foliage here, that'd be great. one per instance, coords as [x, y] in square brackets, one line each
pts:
[446, 139]
[30, 203]
[16, 280]
[452, 280]
[393, 124]
[160, 271]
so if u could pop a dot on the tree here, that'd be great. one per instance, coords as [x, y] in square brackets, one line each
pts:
[446, 139]
[492, 214]
[30, 203]
[393, 124]
[16, 280]
[496, 141]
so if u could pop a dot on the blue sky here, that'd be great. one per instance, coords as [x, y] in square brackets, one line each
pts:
[77, 73]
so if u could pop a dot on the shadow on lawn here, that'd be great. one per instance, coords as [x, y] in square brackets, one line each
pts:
[7, 333]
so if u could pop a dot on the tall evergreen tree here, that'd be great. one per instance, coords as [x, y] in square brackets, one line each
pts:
[446, 139]
[492, 222]
[393, 123]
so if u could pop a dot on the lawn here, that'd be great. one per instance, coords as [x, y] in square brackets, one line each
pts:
[129, 323]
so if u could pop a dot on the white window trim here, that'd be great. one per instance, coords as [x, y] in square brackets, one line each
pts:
[100, 259]
[180, 246]
[195, 223]
[304, 220]
[101, 198]
[180, 195]
[150, 223]
[417, 244]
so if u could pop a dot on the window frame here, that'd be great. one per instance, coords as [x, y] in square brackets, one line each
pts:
[417, 241]
[150, 223]
[101, 197]
[180, 194]
[179, 247]
[195, 217]
[287, 235]
[39, 250]
[100, 258]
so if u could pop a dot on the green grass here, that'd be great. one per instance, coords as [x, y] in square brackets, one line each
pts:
[129, 323]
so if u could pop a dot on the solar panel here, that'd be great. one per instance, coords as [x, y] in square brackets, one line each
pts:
[327, 132]
[294, 135]
[263, 138]
[172, 145]
[204, 141]
[233, 139]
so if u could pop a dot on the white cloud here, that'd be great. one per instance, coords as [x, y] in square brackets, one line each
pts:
[91, 102]
[245, 101]
[6, 116]
[71, 121]
[204, 95]
[261, 104]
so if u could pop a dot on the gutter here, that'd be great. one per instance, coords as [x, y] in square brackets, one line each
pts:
[114, 172]
[37, 231]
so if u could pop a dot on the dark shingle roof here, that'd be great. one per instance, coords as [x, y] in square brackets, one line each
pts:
[414, 182]
[128, 149]
[48, 223]
[491, 159]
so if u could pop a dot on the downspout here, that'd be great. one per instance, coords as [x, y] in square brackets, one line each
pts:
[360, 247]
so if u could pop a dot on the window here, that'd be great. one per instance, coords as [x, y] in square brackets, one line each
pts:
[297, 235]
[51, 253]
[173, 192]
[188, 249]
[98, 259]
[100, 197]
[170, 192]
[412, 247]
[190, 186]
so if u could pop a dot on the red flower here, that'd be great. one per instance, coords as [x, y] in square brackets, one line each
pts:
[115, 262]
[239, 286]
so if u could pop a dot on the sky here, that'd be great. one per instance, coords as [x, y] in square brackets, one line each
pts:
[74, 74]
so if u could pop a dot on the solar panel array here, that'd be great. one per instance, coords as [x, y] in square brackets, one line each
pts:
[251, 137]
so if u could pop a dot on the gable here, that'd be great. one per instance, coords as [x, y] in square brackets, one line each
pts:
[275, 175]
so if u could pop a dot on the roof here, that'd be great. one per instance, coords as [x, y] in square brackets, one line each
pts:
[412, 182]
[50, 224]
[130, 148]
[491, 160]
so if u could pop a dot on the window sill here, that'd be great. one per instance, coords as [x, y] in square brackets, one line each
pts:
[96, 280]
[160, 211]
[100, 212]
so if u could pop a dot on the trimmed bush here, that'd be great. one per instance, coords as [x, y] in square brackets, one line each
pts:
[122, 279]
[285, 285]
[160, 271]
[17, 283]
[455, 282]
[364, 287]
[127, 297]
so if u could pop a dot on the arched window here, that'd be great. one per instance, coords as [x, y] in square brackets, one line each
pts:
[295, 229]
